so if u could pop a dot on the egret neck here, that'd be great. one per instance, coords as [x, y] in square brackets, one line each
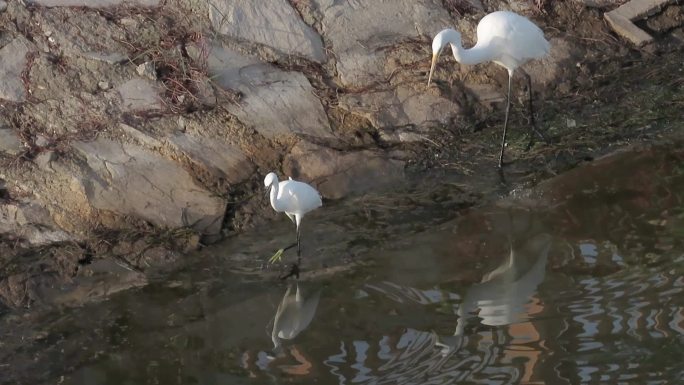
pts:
[475, 55]
[274, 196]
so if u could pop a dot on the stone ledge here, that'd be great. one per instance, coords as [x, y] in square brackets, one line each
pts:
[621, 19]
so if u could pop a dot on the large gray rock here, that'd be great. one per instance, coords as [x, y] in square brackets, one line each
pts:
[10, 142]
[223, 160]
[275, 102]
[129, 180]
[12, 63]
[277, 25]
[403, 106]
[338, 174]
[361, 30]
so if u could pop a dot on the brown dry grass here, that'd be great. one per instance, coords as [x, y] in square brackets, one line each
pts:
[169, 30]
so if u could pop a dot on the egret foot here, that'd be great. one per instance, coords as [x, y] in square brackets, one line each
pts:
[277, 257]
[294, 272]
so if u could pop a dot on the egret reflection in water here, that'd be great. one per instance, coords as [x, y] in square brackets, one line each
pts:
[502, 296]
[294, 314]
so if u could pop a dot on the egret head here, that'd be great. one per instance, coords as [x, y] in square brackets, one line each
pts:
[438, 43]
[270, 179]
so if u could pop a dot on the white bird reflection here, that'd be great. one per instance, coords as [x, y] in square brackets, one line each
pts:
[503, 294]
[294, 314]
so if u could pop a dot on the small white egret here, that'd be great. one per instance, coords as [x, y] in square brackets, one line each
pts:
[294, 314]
[503, 37]
[293, 198]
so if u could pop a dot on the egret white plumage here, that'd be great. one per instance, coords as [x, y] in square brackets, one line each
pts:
[503, 37]
[293, 198]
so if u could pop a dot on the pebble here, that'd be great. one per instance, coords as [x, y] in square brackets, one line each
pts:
[147, 70]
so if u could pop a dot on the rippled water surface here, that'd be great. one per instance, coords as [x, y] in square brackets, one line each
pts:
[579, 282]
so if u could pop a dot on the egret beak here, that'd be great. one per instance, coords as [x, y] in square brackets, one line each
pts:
[432, 67]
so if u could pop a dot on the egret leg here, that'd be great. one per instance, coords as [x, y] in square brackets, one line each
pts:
[533, 121]
[508, 108]
[299, 248]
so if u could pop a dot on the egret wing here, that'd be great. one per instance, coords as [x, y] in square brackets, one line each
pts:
[513, 35]
[298, 197]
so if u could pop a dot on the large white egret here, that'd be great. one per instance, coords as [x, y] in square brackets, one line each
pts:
[293, 198]
[503, 37]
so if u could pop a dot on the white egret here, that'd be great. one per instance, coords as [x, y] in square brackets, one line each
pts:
[503, 37]
[293, 198]
[294, 314]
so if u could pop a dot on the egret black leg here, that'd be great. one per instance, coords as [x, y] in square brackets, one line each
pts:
[533, 121]
[299, 248]
[508, 108]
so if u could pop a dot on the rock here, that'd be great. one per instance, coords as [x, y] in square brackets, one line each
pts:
[30, 221]
[142, 138]
[220, 159]
[274, 102]
[140, 95]
[277, 25]
[3, 6]
[621, 19]
[129, 180]
[10, 142]
[486, 93]
[41, 140]
[597, 3]
[13, 59]
[338, 174]
[95, 281]
[147, 70]
[104, 85]
[65, 32]
[205, 93]
[94, 3]
[360, 31]
[44, 160]
[400, 107]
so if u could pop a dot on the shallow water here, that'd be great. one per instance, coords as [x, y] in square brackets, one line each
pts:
[578, 281]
